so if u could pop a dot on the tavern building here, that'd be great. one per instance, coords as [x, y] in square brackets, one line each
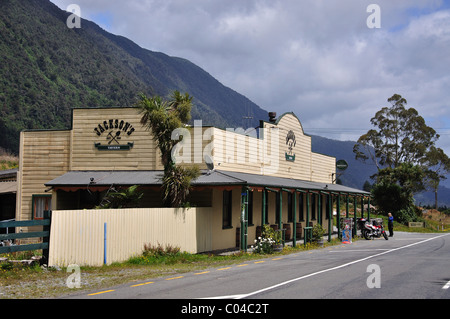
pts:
[266, 176]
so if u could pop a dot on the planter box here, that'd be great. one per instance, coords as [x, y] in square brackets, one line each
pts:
[415, 224]
[277, 248]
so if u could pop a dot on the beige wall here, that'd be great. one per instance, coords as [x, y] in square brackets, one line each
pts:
[266, 155]
[77, 237]
[226, 238]
[44, 155]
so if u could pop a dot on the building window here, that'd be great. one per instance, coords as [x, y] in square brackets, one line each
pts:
[277, 208]
[41, 203]
[227, 209]
[300, 208]
[327, 207]
[250, 207]
[313, 206]
[290, 207]
[266, 216]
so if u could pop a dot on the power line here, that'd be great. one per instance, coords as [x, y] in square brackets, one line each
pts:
[440, 131]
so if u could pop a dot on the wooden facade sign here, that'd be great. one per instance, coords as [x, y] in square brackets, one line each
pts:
[290, 142]
[122, 147]
[116, 129]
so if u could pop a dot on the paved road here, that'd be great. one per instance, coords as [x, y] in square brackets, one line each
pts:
[407, 266]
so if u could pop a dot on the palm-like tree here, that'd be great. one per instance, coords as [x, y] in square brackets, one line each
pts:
[121, 198]
[162, 118]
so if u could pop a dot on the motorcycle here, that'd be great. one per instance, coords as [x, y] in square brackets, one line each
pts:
[373, 230]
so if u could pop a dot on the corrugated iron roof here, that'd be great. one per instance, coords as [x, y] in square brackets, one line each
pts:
[207, 178]
[9, 174]
[8, 187]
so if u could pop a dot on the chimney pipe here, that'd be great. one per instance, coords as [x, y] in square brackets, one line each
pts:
[272, 117]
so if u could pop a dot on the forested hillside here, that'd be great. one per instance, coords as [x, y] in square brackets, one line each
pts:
[47, 69]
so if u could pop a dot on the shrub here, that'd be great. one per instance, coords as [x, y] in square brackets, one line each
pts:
[159, 255]
[160, 251]
[317, 232]
[406, 215]
[269, 237]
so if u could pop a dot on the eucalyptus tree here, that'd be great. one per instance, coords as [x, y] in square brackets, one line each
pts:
[401, 136]
[162, 118]
[439, 166]
[403, 148]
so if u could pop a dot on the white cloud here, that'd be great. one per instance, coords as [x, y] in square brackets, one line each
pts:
[316, 58]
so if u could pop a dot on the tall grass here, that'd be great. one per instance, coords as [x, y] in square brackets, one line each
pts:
[8, 160]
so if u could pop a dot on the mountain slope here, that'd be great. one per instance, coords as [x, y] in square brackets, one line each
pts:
[357, 172]
[47, 69]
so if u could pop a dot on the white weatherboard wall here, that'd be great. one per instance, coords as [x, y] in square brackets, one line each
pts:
[77, 236]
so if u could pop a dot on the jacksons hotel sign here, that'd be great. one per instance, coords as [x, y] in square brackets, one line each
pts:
[115, 133]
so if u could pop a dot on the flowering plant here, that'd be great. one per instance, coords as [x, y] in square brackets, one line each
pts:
[264, 243]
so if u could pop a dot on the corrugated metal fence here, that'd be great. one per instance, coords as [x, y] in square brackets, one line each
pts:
[96, 237]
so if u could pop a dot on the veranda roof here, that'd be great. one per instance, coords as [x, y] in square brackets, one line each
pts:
[74, 179]
[8, 187]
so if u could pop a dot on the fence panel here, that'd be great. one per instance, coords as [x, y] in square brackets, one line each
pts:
[45, 234]
[96, 237]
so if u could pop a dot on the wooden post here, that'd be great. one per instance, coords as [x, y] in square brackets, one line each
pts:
[338, 214]
[294, 223]
[330, 215]
[244, 217]
[46, 251]
[354, 215]
[347, 207]
[362, 206]
[319, 208]
[280, 213]
[307, 209]
[263, 209]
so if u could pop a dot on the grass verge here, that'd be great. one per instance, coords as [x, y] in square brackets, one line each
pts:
[32, 282]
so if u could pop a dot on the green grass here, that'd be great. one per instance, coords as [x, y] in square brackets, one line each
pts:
[431, 226]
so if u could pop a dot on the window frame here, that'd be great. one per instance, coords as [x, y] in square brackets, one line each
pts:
[301, 216]
[250, 208]
[227, 209]
[290, 212]
[47, 205]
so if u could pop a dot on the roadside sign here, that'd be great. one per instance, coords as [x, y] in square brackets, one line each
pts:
[341, 165]
[347, 231]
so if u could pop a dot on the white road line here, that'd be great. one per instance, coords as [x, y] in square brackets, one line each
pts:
[333, 268]
[357, 250]
[446, 286]
[412, 238]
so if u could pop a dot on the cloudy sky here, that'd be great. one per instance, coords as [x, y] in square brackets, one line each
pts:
[318, 58]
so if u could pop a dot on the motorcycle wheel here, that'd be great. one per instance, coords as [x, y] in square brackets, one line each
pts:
[366, 234]
[385, 235]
